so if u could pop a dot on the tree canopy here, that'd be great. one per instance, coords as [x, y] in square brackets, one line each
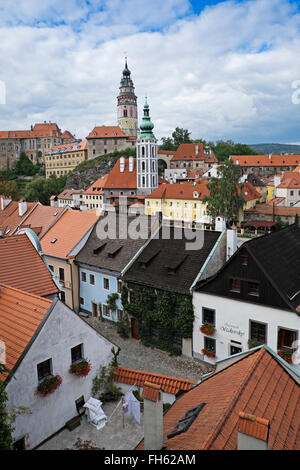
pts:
[9, 189]
[24, 166]
[41, 189]
[179, 136]
[225, 197]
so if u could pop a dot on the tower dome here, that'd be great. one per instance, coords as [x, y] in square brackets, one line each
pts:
[146, 125]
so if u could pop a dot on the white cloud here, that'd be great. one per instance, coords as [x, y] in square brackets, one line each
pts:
[226, 73]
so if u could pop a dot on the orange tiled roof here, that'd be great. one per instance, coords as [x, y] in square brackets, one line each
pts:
[41, 217]
[275, 201]
[20, 315]
[166, 152]
[180, 191]
[68, 194]
[256, 384]
[168, 384]
[67, 135]
[253, 426]
[39, 130]
[265, 160]
[97, 186]
[290, 180]
[126, 179]
[10, 219]
[249, 192]
[71, 147]
[64, 235]
[106, 132]
[151, 391]
[269, 209]
[22, 267]
[188, 152]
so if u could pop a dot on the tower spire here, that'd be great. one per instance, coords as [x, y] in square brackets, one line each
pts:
[127, 104]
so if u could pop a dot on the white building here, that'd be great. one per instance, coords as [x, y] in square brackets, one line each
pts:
[146, 152]
[54, 338]
[254, 299]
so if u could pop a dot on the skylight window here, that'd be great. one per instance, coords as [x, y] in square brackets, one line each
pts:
[185, 423]
[54, 240]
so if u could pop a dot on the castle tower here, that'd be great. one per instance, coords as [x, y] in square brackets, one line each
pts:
[127, 105]
[146, 154]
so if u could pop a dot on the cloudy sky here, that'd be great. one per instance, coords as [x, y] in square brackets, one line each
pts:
[223, 70]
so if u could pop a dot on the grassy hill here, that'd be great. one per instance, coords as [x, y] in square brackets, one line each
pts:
[276, 149]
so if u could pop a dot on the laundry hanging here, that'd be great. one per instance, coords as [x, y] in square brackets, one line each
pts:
[132, 406]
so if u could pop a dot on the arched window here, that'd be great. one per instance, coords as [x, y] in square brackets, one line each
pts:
[125, 113]
[143, 151]
[143, 166]
[143, 180]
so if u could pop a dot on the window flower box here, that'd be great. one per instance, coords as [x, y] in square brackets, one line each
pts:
[49, 385]
[286, 355]
[253, 344]
[207, 329]
[208, 352]
[80, 368]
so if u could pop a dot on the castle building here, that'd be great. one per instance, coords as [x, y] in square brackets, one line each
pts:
[146, 153]
[127, 105]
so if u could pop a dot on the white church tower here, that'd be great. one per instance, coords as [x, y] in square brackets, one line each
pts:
[146, 153]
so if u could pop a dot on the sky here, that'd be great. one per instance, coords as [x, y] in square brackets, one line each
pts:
[222, 70]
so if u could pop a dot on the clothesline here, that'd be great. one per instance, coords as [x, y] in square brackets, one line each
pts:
[120, 402]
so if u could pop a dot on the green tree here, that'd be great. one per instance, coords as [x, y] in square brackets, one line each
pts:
[296, 221]
[24, 166]
[179, 136]
[223, 149]
[9, 189]
[225, 197]
[42, 189]
[6, 429]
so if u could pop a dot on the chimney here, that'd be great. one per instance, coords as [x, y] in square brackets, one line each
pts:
[153, 417]
[196, 149]
[4, 201]
[231, 242]
[22, 207]
[220, 224]
[270, 156]
[122, 164]
[253, 433]
[131, 164]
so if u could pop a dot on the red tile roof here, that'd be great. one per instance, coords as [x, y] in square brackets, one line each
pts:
[256, 384]
[166, 152]
[267, 209]
[41, 218]
[151, 391]
[67, 135]
[97, 186]
[70, 147]
[10, 219]
[167, 384]
[39, 130]
[68, 194]
[185, 190]
[64, 235]
[253, 426]
[23, 268]
[265, 160]
[118, 180]
[249, 192]
[196, 151]
[290, 180]
[21, 314]
[106, 132]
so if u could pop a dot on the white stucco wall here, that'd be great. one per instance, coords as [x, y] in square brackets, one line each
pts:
[232, 319]
[62, 331]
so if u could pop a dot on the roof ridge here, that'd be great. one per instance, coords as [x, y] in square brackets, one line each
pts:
[213, 435]
[155, 374]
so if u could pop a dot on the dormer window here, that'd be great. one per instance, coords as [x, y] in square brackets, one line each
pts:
[185, 423]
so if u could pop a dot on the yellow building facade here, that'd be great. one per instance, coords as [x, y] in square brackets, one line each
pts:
[64, 158]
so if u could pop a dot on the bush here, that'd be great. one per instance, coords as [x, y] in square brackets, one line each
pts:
[123, 326]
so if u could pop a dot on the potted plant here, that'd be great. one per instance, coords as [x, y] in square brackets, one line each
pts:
[286, 355]
[49, 385]
[80, 368]
[207, 329]
[208, 352]
[252, 344]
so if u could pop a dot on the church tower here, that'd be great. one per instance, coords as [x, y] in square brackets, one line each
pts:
[146, 156]
[127, 105]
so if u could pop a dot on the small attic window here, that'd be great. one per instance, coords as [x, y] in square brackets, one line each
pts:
[185, 423]
[55, 213]
[54, 240]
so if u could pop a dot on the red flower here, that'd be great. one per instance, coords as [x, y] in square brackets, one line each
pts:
[207, 329]
[208, 352]
[81, 369]
[49, 385]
